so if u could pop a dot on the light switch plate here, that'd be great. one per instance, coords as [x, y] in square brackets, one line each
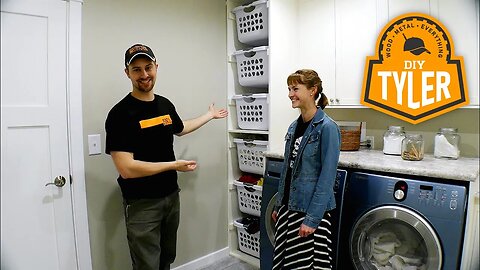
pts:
[94, 144]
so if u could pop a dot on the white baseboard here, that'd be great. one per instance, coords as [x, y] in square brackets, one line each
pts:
[205, 260]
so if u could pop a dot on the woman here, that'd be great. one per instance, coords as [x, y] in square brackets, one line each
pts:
[303, 238]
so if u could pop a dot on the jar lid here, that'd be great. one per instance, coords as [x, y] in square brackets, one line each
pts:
[395, 128]
[448, 130]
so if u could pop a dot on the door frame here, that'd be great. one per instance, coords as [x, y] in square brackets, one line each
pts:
[75, 133]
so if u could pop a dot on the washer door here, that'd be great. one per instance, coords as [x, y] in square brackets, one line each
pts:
[269, 223]
[394, 237]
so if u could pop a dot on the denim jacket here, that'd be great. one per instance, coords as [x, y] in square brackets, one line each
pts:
[314, 171]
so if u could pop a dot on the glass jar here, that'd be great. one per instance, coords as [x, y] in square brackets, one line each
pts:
[447, 143]
[392, 140]
[413, 147]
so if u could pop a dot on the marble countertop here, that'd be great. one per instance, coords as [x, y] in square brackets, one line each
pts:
[466, 169]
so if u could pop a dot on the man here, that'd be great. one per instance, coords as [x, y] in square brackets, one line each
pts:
[139, 137]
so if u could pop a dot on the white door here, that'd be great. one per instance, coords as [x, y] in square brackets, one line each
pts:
[36, 220]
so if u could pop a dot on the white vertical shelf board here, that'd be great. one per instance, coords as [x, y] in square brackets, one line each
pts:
[400, 7]
[355, 39]
[461, 18]
[381, 15]
[316, 33]
[283, 39]
[231, 37]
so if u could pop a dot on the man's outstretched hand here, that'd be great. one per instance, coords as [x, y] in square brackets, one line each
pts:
[217, 113]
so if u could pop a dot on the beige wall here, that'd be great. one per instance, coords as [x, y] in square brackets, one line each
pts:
[465, 119]
[189, 39]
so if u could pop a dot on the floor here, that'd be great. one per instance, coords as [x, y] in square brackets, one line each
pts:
[230, 263]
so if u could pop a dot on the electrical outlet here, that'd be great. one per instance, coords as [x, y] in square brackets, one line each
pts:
[369, 142]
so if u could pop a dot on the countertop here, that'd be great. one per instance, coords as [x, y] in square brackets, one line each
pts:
[465, 169]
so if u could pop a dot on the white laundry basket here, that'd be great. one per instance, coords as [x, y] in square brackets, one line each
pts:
[248, 243]
[252, 111]
[252, 23]
[252, 66]
[250, 155]
[249, 198]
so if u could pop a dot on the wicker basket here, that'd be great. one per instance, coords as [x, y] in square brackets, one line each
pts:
[350, 138]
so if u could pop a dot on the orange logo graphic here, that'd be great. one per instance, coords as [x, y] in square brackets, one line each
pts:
[414, 75]
[164, 119]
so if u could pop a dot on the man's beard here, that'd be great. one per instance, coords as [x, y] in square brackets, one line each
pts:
[145, 90]
[141, 86]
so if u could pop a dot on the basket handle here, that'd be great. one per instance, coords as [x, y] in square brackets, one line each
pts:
[249, 54]
[248, 8]
[248, 187]
[248, 143]
[248, 99]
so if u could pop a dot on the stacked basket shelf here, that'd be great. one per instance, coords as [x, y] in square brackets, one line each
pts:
[249, 198]
[249, 134]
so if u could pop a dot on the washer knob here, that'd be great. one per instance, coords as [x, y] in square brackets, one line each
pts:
[399, 194]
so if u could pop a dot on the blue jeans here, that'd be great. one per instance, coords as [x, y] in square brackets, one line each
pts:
[152, 231]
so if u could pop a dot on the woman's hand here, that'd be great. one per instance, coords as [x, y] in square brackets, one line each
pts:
[274, 216]
[305, 230]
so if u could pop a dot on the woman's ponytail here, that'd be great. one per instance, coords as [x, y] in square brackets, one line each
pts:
[323, 101]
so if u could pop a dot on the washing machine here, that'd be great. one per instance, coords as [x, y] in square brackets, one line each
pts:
[402, 222]
[273, 170]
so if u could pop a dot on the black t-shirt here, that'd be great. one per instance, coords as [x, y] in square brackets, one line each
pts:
[146, 129]
[299, 132]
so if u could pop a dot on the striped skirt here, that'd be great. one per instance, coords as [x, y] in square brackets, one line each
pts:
[295, 252]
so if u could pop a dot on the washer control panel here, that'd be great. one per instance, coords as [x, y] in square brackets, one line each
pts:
[439, 199]
[438, 196]
[429, 196]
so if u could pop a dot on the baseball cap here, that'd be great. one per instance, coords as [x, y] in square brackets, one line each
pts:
[414, 45]
[136, 50]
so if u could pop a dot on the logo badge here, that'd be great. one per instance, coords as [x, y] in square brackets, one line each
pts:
[415, 74]
[159, 120]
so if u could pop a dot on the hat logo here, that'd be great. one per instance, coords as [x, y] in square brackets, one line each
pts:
[137, 48]
[414, 74]
[414, 45]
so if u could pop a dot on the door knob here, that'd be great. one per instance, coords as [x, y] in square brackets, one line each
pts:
[59, 181]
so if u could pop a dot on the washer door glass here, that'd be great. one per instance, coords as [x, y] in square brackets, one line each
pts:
[392, 237]
[269, 223]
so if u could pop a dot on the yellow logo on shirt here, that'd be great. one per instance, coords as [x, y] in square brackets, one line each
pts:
[164, 119]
